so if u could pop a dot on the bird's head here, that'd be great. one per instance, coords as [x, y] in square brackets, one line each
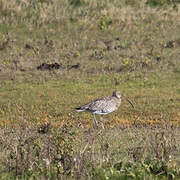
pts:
[118, 95]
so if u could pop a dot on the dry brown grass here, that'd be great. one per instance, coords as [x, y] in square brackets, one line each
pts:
[59, 153]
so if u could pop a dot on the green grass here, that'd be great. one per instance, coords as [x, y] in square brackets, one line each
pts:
[155, 98]
[130, 46]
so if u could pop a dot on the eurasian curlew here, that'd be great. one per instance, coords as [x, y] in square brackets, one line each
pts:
[104, 105]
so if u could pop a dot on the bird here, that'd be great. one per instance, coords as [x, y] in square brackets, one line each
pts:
[103, 106]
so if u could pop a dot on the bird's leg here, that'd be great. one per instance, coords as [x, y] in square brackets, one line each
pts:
[95, 121]
[101, 120]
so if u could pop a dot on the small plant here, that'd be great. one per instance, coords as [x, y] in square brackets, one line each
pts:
[126, 62]
[104, 22]
[159, 3]
[163, 145]
[77, 3]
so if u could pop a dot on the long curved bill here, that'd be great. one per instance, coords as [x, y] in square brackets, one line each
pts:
[128, 101]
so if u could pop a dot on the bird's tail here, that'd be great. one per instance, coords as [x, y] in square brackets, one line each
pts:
[80, 109]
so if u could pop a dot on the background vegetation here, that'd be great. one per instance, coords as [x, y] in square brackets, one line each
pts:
[56, 55]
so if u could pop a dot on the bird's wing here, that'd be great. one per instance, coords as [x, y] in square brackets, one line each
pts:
[93, 105]
[99, 104]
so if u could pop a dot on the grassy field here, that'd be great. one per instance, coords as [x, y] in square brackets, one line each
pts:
[99, 46]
